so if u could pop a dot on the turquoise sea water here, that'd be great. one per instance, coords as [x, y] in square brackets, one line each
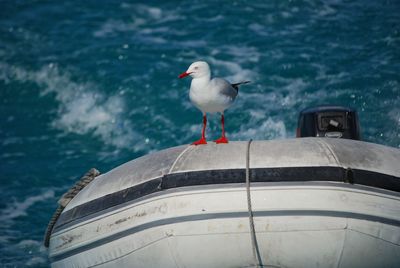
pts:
[94, 84]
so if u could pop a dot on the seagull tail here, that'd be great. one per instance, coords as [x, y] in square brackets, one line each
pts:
[236, 85]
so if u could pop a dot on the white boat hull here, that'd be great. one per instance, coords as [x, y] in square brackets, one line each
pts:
[309, 225]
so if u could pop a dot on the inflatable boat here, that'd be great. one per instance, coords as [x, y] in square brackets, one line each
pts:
[304, 202]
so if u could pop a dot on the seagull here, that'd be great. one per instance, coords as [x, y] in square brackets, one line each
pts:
[210, 95]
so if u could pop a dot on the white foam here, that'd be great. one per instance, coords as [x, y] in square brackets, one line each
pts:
[216, 18]
[261, 129]
[326, 10]
[35, 261]
[141, 33]
[34, 251]
[28, 243]
[154, 12]
[258, 29]
[146, 21]
[19, 208]
[286, 14]
[285, 93]
[111, 26]
[238, 73]
[83, 108]
[242, 54]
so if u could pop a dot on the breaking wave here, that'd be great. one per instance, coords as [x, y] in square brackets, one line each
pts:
[82, 108]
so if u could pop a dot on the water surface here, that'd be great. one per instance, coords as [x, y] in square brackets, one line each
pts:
[94, 84]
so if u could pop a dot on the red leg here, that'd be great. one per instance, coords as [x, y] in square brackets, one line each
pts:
[223, 138]
[203, 133]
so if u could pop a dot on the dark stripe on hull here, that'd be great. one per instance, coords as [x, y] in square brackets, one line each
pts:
[228, 176]
[226, 215]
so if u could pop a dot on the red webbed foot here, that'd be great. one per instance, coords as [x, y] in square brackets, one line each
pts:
[223, 139]
[201, 141]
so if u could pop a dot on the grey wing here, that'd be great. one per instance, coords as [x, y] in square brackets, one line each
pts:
[224, 87]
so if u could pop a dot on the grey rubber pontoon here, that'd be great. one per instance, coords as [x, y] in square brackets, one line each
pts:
[315, 202]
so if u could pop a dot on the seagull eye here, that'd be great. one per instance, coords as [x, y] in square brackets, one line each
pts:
[196, 68]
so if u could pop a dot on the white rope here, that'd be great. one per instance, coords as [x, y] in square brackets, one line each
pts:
[254, 245]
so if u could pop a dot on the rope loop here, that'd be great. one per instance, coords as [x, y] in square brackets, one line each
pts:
[66, 198]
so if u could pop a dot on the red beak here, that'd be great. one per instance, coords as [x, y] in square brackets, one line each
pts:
[184, 74]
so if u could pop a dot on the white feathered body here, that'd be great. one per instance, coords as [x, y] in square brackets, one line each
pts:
[212, 96]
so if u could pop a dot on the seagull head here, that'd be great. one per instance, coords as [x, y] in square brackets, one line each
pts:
[196, 70]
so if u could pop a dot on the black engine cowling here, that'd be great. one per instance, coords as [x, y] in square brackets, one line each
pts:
[329, 121]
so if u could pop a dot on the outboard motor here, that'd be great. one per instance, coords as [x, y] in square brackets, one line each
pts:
[329, 121]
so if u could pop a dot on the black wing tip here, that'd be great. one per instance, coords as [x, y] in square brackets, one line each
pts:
[241, 83]
[236, 85]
